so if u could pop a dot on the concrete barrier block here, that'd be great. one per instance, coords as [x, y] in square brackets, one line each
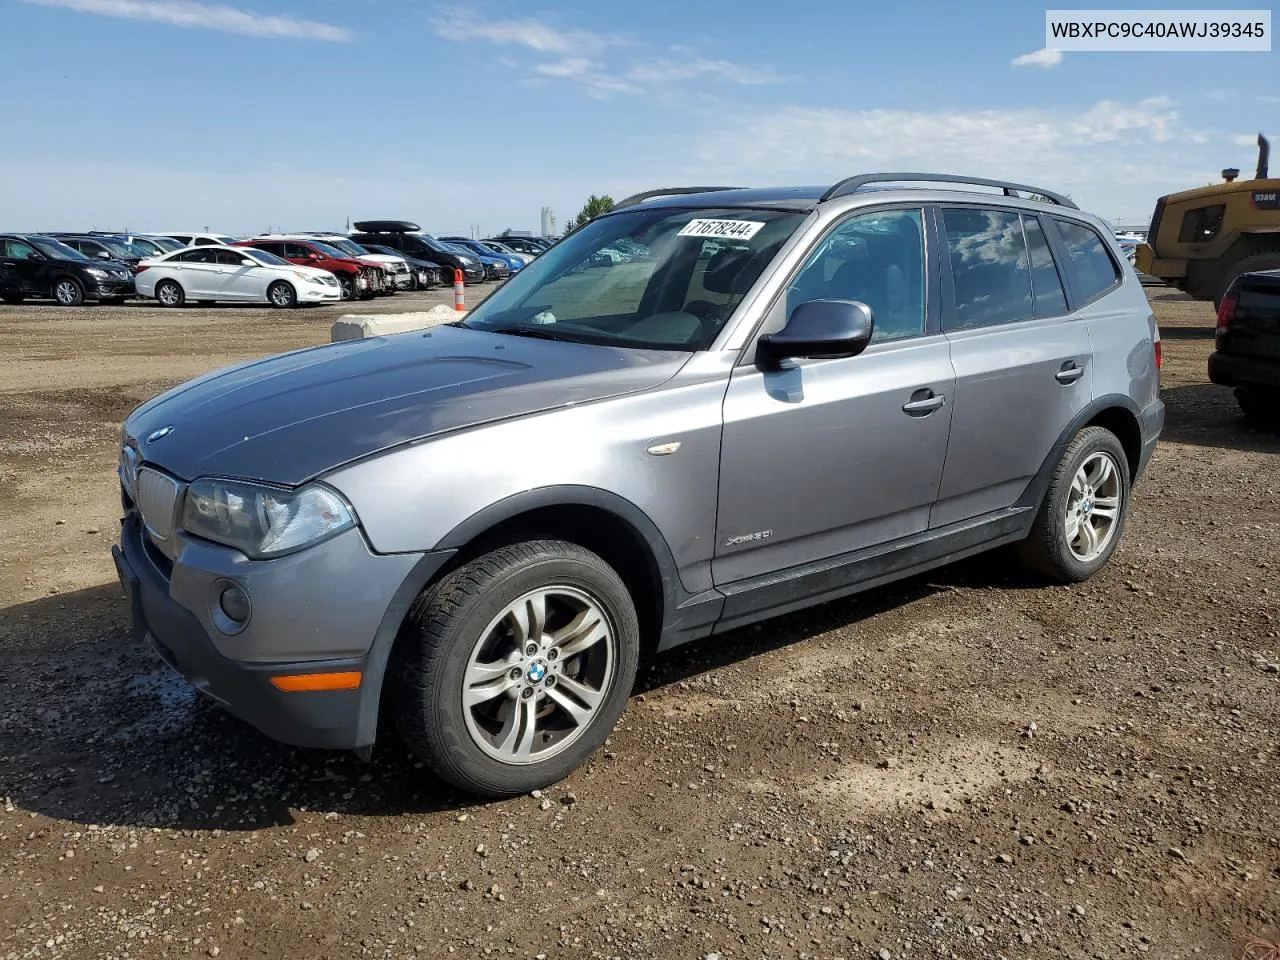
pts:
[354, 326]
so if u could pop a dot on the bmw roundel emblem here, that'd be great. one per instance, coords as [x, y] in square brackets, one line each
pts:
[159, 434]
[537, 670]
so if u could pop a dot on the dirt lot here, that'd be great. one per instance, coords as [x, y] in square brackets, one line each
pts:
[969, 764]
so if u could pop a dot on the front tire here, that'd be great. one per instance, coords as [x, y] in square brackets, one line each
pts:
[170, 293]
[282, 295]
[1083, 514]
[513, 669]
[347, 285]
[68, 292]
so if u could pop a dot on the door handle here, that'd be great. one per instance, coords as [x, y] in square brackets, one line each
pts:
[923, 402]
[1069, 373]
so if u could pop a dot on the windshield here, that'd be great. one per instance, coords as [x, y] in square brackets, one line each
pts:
[122, 249]
[656, 278]
[56, 248]
[222, 239]
[349, 248]
[262, 256]
[329, 250]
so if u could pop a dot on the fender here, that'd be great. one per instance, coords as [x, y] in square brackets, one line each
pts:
[1039, 485]
[684, 616]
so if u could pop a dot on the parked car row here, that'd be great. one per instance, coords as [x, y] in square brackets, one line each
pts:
[379, 258]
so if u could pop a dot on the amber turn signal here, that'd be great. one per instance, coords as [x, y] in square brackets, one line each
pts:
[300, 682]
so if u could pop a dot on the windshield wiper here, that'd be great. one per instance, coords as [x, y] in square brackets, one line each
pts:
[532, 332]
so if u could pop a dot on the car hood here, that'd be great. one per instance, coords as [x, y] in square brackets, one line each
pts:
[289, 418]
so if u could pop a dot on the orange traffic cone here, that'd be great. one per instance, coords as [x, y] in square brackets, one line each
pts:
[459, 291]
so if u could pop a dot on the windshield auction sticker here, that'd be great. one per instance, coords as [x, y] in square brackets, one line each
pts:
[727, 229]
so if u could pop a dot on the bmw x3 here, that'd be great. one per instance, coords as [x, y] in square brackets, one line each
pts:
[472, 533]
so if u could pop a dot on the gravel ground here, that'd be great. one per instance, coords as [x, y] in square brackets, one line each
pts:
[967, 764]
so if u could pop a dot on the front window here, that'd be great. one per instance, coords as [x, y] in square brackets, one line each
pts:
[121, 249]
[1201, 224]
[695, 268]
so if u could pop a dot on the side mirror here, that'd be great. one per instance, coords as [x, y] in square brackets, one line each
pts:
[246, 262]
[104, 255]
[819, 329]
[314, 256]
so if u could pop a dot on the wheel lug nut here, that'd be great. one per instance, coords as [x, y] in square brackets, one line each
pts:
[516, 673]
[553, 654]
[531, 649]
[526, 693]
[550, 681]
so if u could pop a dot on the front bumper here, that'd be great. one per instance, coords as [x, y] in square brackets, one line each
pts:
[311, 293]
[317, 611]
[111, 288]
[1232, 370]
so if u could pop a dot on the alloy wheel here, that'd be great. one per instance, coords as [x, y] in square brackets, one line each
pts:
[538, 675]
[1093, 507]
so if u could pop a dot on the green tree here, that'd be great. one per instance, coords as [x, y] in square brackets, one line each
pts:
[593, 208]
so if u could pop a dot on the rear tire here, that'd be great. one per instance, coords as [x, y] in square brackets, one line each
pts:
[1264, 260]
[1259, 405]
[282, 296]
[68, 292]
[1089, 489]
[170, 293]
[544, 711]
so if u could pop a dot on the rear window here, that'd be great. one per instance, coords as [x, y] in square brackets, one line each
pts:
[1202, 224]
[1093, 271]
[990, 268]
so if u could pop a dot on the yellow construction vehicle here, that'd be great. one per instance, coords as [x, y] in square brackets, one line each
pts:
[1200, 240]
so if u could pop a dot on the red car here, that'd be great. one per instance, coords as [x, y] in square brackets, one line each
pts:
[358, 278]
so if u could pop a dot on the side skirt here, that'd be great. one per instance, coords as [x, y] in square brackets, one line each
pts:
[785, 591]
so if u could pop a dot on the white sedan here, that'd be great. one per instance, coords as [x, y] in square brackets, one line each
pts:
[211, 273]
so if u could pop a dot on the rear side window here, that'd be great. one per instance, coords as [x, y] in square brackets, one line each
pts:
[196, 256]
[990, 268]
[1093, 272]
[1046, 284]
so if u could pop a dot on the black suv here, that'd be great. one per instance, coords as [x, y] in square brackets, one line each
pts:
[423, 246]
[103, 248]
[34, 265]
[1247, 344]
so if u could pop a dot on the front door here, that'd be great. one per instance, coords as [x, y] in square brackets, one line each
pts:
[832, 456]
[1022, 359]
[239, 280]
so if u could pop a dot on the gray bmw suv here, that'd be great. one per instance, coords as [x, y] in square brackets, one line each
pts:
[776, 398]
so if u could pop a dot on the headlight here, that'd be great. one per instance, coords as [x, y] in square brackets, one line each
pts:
[95, 272]
[465, 261]
[262, 521]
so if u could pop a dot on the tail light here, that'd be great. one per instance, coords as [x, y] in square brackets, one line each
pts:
[139, 267]
[1159, 355]
[1226, 314]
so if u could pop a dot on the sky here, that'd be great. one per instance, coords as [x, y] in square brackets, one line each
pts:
[246, 115]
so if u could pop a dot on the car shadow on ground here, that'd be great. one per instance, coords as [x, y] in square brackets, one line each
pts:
[1206, 415]
[95, 730]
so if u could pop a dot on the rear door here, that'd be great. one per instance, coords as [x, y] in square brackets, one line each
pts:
[197, 271]
[1022, 358]
[26, 269]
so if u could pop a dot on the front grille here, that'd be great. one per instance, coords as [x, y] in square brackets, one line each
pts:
[157, 499]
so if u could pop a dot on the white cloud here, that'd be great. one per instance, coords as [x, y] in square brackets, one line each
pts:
[1043, 57]
[1115, 155]
[582, 56]
[534, 34]
[674, 71]
[205, 16]
[1266, 98]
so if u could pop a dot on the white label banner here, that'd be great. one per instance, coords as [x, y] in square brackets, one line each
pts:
[1135, 31]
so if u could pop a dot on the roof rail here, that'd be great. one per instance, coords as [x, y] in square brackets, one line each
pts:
[637, 198]
[852, 184]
